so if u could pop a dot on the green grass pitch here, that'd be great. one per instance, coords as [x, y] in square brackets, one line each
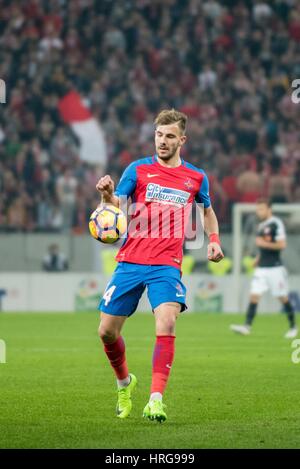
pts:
[226, 391]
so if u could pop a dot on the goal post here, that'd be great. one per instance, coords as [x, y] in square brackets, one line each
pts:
[244, 231]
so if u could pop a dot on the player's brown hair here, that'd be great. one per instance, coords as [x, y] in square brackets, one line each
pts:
[171, 116]
[265, 201]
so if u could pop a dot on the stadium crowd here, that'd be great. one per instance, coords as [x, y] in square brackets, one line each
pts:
[229, 65]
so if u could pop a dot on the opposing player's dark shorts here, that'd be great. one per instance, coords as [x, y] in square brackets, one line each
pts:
[129, 281]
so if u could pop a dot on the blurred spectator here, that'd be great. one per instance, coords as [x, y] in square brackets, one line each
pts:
[66, 186]
[250, 186]
[279, 183]
[54, 260]
[296, 185]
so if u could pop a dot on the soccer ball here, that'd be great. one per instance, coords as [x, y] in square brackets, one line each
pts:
[107, 224]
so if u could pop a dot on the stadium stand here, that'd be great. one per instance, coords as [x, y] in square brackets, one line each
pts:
[227, 64]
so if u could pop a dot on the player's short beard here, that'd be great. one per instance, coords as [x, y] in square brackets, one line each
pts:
[169, 155]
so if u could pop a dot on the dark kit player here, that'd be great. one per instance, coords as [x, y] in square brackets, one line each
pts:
[156, 184]
[270, 274]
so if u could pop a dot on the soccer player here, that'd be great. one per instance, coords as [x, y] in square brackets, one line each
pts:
[270, 274]
[163, 181]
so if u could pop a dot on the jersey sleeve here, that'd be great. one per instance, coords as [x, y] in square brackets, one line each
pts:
[280, 231]
[203, 194]
[127, 183]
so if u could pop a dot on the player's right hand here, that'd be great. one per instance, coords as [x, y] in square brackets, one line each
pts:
[106, 186]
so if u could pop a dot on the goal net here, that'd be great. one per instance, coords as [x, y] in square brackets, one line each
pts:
[244, 233]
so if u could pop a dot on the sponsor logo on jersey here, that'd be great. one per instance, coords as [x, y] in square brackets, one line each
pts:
[166, 195]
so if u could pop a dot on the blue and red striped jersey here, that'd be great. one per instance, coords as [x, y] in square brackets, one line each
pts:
[162, 201]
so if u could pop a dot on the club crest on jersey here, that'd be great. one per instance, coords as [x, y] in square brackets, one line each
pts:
[166, 195]
[188, 184]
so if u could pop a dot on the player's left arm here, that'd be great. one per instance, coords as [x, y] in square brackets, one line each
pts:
[273, 245]
[211, 226]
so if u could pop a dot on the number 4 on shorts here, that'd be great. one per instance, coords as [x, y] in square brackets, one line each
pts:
[108, 294]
